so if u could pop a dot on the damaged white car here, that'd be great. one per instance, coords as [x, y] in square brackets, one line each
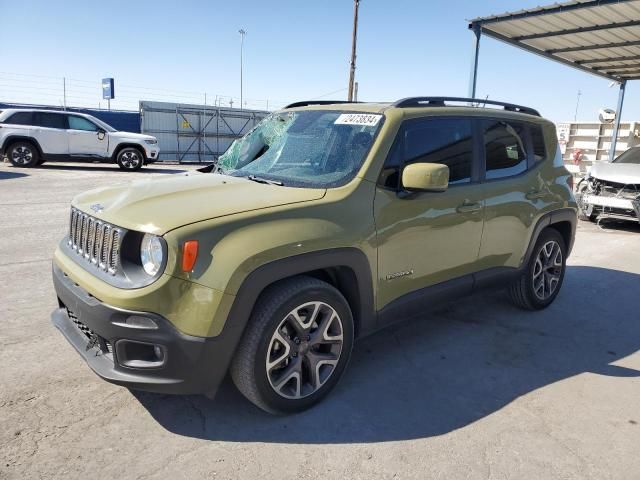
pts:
[612, 189]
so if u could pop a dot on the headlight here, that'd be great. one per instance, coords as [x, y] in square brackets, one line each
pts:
[151, 254]
[151, 142]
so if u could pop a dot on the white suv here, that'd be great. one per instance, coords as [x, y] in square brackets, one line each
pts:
[30, 137]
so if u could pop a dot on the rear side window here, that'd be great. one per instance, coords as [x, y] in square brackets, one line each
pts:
[505, 150]
[50, 120]
[81, 123]
[21, 118]
[539, 147]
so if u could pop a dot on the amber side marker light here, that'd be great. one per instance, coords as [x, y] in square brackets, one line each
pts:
[189, 255]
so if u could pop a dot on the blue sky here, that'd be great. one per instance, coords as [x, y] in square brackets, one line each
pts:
[293, 50]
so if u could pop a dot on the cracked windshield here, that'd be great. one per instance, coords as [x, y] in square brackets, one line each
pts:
[315, 149]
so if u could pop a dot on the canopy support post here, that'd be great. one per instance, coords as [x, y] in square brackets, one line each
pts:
[614, 135]
[476, 28]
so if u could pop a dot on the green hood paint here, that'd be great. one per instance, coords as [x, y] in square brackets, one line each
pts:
[160, 204]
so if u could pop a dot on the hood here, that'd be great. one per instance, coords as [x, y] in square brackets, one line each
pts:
[627, 173]
[133, 136]
[159, 204]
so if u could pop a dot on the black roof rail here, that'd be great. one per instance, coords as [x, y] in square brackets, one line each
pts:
[441, 102]
[306, 103]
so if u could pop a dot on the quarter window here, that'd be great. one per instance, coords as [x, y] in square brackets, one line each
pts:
[50, 120]
[505, 150]
[21, 118]
[81, 123]
[539, 147]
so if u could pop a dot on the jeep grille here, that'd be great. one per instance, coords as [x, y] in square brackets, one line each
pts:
[96, 241]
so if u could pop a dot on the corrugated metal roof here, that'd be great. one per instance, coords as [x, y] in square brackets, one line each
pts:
[601, 37]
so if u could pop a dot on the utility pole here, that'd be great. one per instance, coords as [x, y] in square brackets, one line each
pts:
[352, 71]
[64, 92]
[355, 92]
[242, 33]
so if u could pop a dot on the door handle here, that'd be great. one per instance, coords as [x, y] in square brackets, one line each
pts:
[535, 194]
[468, 207]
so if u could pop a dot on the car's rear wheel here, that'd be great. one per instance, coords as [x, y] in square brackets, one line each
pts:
[542, 278]
[23, 154]
[130, 159]
[296, 347]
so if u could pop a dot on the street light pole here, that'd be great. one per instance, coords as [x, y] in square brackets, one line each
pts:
[352, 71]
[575, 115]
[242, 33]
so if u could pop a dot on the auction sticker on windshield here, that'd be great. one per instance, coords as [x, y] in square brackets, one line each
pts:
[365, 119]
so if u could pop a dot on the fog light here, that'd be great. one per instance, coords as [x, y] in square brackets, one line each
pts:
[131, 353]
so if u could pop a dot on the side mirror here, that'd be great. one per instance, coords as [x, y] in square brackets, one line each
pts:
[101, 134]
[430, 177]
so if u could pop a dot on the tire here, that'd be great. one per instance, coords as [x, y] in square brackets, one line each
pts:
[273, 366]
[130, 159]
[23, 154]
[527, 292]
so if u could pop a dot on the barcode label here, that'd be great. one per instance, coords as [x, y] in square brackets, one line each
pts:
[365, 119]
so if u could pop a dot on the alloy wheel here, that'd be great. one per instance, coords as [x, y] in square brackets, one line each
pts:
[130, 159]
[22, 155]
[304, 350]
[547, 270]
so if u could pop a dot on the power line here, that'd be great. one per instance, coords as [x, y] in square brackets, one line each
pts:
[36, 88]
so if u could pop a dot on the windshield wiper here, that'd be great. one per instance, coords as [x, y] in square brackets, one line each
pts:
[253, 178]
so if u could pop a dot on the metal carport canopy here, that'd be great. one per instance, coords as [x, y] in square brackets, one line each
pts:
[601, 37]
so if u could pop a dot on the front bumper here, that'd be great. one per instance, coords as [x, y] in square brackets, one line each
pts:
[100, 334]
[618, 207]
[152, 153]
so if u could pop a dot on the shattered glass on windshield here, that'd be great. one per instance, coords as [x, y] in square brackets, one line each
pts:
[311, 148]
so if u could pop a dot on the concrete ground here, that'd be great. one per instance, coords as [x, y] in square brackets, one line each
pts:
[479, 390]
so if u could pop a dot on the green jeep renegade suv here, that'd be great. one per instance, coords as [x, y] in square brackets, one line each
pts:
[326, 222]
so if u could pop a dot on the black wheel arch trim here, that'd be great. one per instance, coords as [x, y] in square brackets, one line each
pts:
[569, 215]
[20, 138]
[362, 304]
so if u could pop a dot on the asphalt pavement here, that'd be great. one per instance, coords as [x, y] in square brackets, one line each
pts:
[478, 390]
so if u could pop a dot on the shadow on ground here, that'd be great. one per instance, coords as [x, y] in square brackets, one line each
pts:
[616, 225]
[5, 175]
[440, 374]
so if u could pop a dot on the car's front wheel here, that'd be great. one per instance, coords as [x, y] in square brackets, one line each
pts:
[542, 277]
[297, 344]
[23, 154]
[130, 159]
